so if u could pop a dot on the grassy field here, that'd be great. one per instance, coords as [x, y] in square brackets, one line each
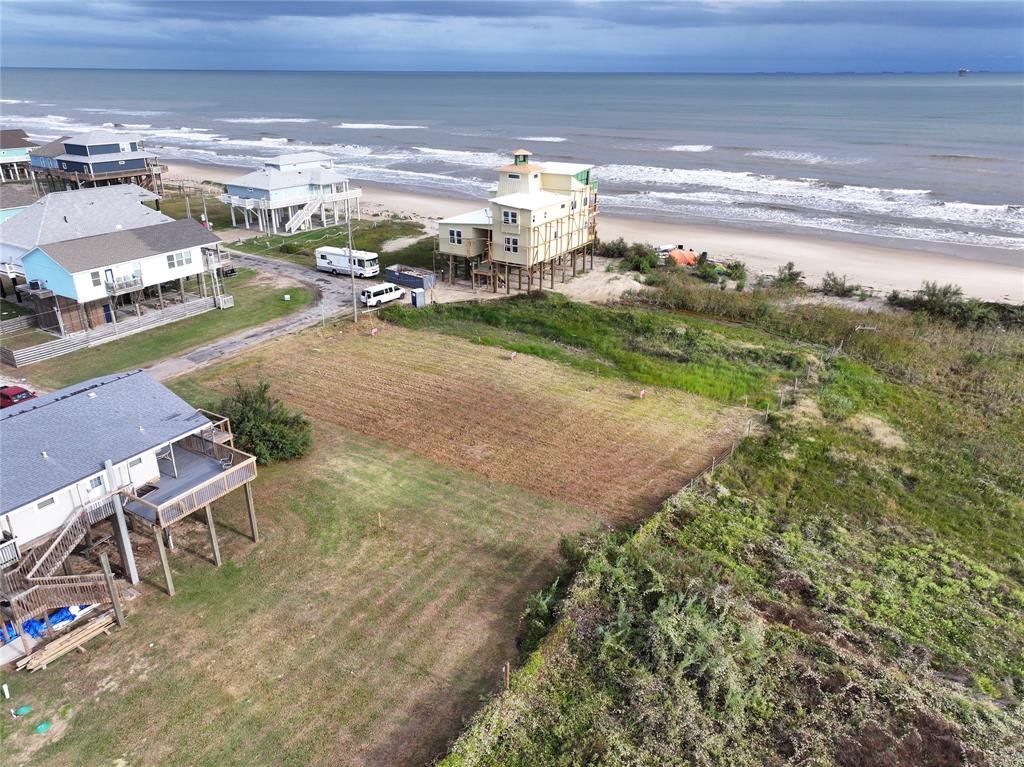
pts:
[367, 234]
[383, 599]
[9, 310]
[848, 590]
[174, 206]
[257, 300]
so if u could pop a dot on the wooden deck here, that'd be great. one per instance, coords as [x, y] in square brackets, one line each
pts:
[207, 470]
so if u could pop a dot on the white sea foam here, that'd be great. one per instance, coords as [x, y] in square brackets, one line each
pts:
[128, 112]
[378, 126]
[16, 101]
[690, 148]
[552, 139]
[130, 126]
[262, 120]
[461, 157]
[806, 158]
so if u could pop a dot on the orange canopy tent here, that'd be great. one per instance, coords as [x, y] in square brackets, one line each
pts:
[683, 257]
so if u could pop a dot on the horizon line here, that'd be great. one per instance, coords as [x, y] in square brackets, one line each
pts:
[518, 72]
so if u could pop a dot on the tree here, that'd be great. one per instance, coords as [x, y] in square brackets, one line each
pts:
[263, 426]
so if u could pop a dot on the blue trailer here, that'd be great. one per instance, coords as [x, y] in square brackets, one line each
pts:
[411, 276]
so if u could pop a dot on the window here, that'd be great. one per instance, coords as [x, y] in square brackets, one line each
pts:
[95, 276]
[585, 199]
[511, 244]
[573, 205]
[134, 462]
[455, 236]
[179, 259]
[45, 502]
[513, 176]
[96, 482]
[120, 162]
[510, 217]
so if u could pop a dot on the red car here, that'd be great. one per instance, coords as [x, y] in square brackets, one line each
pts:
[12, 395]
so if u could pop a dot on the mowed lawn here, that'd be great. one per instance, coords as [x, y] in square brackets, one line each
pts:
[331, 642]
[258, 299]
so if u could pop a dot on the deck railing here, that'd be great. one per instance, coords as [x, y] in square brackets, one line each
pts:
[8, 552]
[219, 422]
[239, 468]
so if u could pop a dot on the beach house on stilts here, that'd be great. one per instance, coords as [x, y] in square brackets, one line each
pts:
[292, 192]
[91, 461]
[541, 218]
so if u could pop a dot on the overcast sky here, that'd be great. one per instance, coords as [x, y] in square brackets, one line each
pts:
[516, 35]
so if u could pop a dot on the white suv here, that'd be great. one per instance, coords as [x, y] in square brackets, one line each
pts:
[381, 294]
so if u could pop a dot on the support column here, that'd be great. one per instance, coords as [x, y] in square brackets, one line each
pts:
[158, 535]
[115, 597]
[252, 513]
[213, 535]
[124, 543]
[233, 223]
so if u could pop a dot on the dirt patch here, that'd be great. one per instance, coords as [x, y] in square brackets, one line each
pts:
[878, 430]
[600, 286]
[806, 411]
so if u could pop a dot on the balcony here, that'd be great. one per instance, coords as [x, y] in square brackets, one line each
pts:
[202, 470]
[125, 284]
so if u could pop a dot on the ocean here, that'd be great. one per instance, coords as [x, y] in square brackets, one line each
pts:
[931, 161]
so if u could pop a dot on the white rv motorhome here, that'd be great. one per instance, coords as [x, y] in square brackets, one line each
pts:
[337, 261]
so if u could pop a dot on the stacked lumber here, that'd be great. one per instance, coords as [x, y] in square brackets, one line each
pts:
[62, 645]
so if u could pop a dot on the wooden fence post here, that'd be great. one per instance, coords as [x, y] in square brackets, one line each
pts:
[115, 598]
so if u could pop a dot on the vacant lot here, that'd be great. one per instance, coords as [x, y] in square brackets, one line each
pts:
[257, 300]
[383, 599]
[540, 425]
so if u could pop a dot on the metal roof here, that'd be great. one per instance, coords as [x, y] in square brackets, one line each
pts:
[128, 245]
[15, 138]
[564, 168]
[102, 137]
[270, 178]
[479, 217]
[61, 438]
[54, 148]
[80, 213]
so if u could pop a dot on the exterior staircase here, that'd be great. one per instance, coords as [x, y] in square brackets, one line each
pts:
[31, 586]
[303, 214]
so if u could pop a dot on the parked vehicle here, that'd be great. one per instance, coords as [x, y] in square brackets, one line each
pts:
[362, 263]
[381, 294]
[12, 395]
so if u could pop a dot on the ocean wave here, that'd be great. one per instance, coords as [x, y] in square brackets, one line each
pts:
[378, 126]
[262, 120]
[16, 101]
[805, 158]
[690, 148]
[552, 139]
[461, 157]
[129, 112]
[128, 126]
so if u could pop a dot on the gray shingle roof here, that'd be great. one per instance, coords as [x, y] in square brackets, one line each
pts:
[80, 213]
[52, 149]
[111, 418]
[128, 245]
[15, 138]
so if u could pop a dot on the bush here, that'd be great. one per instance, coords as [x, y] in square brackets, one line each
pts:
[788, 276]
[264, 427]
[736, 270]
[617, 248]
[640, 258]
[834, 285]
[947, 302]
[706, 271]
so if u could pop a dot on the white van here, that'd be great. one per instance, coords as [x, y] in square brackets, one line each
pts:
[381, 294]
[362, 263]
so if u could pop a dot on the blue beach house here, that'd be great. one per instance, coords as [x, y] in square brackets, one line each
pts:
[14, 158]
[97, 158]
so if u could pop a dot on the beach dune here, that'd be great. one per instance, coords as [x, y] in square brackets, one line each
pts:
[877, 268]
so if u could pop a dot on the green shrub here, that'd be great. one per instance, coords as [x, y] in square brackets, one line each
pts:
[640, 258]
[947, 302]
[617, 248]
[835, 285]
[263, 426]
[788, 276]
[706, 271]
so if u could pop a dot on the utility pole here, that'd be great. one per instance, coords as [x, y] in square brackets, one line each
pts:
[351, 270]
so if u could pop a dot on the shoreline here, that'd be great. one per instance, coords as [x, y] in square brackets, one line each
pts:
[880, 268]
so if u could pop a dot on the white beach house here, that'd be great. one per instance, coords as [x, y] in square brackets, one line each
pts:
[541, 216]
[292, 192]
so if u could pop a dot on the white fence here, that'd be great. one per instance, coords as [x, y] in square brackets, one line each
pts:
[18, 323]
[105, 333]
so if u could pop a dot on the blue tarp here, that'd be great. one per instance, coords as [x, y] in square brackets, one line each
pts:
[36, 627]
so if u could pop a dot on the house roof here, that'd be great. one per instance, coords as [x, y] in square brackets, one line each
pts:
[526, 168]
[15, 138]
[80, 213]
[16, 196]
[111, 418]
[530, 200]
[270, 178]
[102, 137]
[479, 217]
[107, 157]
[53, 149]
[128, 245]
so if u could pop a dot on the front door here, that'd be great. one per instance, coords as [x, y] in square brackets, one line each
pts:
[108, 315]
[109, 274]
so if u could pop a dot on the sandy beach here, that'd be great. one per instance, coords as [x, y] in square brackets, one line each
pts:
[878, 268]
